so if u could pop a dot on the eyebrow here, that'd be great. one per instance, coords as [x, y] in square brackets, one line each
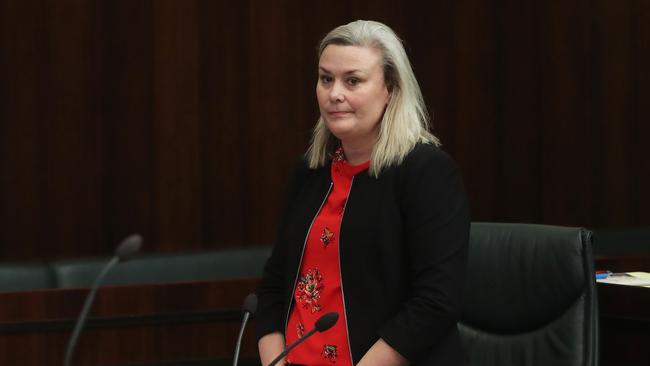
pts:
[346, 73]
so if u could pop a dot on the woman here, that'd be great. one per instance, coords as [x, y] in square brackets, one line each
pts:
[376, 223]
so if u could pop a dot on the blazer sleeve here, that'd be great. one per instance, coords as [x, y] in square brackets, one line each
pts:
[436, 225]
[270, 315]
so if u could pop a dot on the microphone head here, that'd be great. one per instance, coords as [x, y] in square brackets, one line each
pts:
[326, 321]
[250, 304]
[129, 247]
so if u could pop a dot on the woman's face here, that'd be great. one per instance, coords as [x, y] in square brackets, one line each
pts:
[351, 91]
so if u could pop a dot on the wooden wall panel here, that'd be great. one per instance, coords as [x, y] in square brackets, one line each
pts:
[181, 120]
[475, 114]
[21, 51]
[615, 110]
[566, 130]
[518, 137]
[127, 119]
[429, 46]
[68, 135]
[176, 124]
[641, 57]
[224, 110]
[271, 116]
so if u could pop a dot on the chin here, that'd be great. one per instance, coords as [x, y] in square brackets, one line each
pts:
[339, 131]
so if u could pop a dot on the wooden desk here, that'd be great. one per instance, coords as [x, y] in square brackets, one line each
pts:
[183, 323]
[624, 315]
[624, 325]
[197, 323]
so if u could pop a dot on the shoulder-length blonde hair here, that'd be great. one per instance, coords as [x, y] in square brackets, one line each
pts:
[405, 121]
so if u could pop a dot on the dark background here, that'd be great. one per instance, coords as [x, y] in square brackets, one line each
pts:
[181, 119]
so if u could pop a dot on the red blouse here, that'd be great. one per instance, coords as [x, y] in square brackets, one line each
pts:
[318, 288]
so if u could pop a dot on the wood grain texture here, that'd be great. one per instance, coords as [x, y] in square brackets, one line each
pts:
[181, 120]
[120, 339]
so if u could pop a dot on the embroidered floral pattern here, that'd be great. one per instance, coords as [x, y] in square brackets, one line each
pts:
[329, 353]
[338, 155]
[300, 329]
[326, 236]
[309, 290]
[337, 159]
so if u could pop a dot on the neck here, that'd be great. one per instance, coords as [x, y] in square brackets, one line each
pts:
[356, 154]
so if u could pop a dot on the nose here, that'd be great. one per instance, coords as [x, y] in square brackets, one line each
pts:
[337, 92]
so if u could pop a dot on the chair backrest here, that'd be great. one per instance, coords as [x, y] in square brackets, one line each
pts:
[20, 277]
[165, 268]
[530, 296]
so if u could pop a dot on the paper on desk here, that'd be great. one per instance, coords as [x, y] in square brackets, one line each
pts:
[641, 275]
[641, 279]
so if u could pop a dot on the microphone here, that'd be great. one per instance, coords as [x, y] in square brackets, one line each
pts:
[323, 323]
[125, 251]
[250, 305]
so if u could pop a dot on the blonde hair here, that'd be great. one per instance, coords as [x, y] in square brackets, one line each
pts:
[405, 121]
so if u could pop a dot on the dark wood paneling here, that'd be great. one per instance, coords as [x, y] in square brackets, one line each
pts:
[615, 114]
[641, 96]
[518, 139]
[133, 324]
[177, 192]
[21, 53]
[566, 130]
[272, 116]
[127, 120]
[181, 120]
[158, 323]
[224, 110]
[475, 123]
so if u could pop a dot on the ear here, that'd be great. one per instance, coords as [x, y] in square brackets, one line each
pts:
[389, 89]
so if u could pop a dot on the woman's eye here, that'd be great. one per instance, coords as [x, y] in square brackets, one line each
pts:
[325, 78]
[353, 81]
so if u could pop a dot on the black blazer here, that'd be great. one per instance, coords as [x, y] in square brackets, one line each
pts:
[403, 252]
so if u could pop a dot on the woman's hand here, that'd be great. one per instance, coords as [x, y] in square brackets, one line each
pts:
[270, 346]
[382, 354]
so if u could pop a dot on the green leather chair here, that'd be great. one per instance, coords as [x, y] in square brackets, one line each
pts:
[530, 296]
[165, 268]
[20, 277]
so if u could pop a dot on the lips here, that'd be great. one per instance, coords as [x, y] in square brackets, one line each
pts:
[338, 113]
